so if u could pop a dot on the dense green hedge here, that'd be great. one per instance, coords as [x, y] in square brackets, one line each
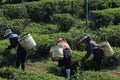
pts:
[7, 58]
[17, 25]
[110, 34]
[105, 17]
[43, 10]
[17, 74]
[103, 4]
[17, 17]
[1, 12]
[15, 1]
[41, 28]
[91, 75]
[65, 21]
[15, 11]
[93, 4]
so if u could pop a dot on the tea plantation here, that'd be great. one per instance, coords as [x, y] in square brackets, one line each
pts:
[46, 21]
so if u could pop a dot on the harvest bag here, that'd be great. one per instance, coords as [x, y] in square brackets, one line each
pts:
[108, 51]
[56, 52]
[27, 42]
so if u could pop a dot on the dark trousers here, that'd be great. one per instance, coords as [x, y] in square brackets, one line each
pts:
[20, 59]
[65, 62]
[97, 58]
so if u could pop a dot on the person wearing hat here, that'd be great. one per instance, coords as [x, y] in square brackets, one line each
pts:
[92, 47]
[66, 61]
[21, 52]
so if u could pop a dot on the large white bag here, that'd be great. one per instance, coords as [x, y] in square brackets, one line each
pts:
[27, 42]
[108, 51]
[56, 52]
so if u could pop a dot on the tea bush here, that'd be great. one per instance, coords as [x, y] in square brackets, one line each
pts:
[65, 21]
[104, 17]
[17, 74]
[15, 2]
[35, 11]
[73, 7]
[7, 58]
[41, 28]
[91, 75]
[110, 34]
[14, 11]
[36, 18]
[43, 10]
[1, 13]
[103, 4]
[17, 25]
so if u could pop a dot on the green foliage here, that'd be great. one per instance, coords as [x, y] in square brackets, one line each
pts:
[36, 11]
[14, 1]
[91, 75]
[70, 15]
[114, 60]
[49, 8]
[116, 51]
[2, 26]
[17, 25]
[103, 4]
[15, 11]
[7, 58]
[41, 28]
[3, 1]
[104, 17]
[65, 21]
[16, 74]
[1, 12]
[100, 19]
[43, 10]
[110, 34]
[73, 7]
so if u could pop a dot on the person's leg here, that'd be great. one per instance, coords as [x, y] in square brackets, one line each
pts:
[17, 61]
[68, 71]
[60, 65]
[98, 56]
[68, 67]
[59, 70]
[97, 64]
[23, 60]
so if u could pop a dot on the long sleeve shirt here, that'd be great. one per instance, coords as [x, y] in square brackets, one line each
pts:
[14, 43]
[89, 48]
[13, 38]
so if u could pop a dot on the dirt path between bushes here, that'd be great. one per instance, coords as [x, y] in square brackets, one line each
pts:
[115, 73]
[36, 68]
[39, 69]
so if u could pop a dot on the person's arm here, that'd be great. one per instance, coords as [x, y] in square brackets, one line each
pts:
[13, 43]
[9, 46]
[89, 51]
